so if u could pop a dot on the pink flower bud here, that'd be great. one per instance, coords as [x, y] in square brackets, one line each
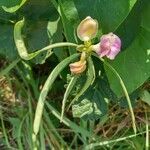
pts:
[78, 67]
[87, 29]
[109, 46]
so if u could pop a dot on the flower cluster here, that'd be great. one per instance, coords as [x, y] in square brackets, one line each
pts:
[109, 45]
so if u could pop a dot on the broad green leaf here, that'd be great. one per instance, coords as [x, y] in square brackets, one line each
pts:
[36, 38]
[72, 13]
[128, 32]
[133, 65]
[54, 29]
[12, 6]
[109, 13]
[130, 28]
[9, 3]
[7, 45]
[146, 17]
[91, 105]
[112, 13]
[68, 27]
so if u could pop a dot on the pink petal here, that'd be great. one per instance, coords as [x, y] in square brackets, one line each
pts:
[110, 46]
[113, 52]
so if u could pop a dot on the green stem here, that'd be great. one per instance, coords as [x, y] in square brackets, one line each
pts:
[61, 44]
[124, 89]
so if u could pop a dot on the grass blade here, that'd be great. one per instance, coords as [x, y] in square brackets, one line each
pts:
[147, 144]
[4, 129]
[20, 145]
[42, 138]
[68, 122]
[9, 67]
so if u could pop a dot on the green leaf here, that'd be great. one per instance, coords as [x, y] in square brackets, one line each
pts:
[146, 17]
[85, 107]
[110, 14]
[91, 105]
[54, 29]
[130, 28]
[9, 3]
[11, 7]
[68, 26]
[7, 45]
[36, 38]
[145, 96]
[133, 64]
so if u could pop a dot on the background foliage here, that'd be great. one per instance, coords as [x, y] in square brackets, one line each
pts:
[50, 21]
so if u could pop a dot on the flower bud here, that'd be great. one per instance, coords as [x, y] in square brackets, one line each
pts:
[78, 67]
[87, 29]
[109, 46]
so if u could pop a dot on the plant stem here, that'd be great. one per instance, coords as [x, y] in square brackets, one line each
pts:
[61, 44]
[124, 89]
[125, 92]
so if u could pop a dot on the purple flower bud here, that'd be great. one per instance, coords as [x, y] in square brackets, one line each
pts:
[109, 46]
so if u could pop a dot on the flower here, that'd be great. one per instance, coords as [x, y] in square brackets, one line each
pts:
[109, 46]
[78, 67]
[87, 29]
